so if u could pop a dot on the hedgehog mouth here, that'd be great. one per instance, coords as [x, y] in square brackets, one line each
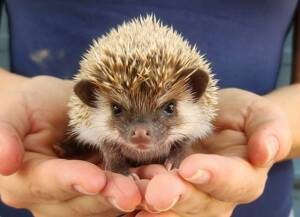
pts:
[155, 146]
[141, 146]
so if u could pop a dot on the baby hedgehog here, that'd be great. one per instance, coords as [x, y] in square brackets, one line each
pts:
[142, 95]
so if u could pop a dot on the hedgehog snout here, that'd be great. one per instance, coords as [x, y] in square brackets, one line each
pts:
[141, 136]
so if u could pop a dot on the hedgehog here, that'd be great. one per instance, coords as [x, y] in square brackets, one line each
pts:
[142, 95]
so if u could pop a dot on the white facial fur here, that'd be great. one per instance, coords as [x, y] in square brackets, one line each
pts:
[95, 130]
[98, 131]
[196, 124]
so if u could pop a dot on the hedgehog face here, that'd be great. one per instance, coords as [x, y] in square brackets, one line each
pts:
[144, 131]
[176, 120]
[145, 123]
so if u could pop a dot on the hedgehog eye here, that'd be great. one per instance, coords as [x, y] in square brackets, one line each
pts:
[169, 108]
[116, 109]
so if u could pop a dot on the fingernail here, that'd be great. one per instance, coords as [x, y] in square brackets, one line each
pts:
[272, 146]
[81, 190]
[155, 210]
[159, 209]
[200, 177]
[150, 209]
[114, 203]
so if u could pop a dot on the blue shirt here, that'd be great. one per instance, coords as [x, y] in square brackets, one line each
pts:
[242, 39]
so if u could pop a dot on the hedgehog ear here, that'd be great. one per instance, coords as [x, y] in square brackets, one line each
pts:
[86, 90]
[197, 82]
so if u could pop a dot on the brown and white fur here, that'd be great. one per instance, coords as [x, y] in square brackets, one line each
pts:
[142, 95]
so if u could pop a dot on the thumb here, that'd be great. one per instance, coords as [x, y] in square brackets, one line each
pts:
[13, 127]
[269, 135]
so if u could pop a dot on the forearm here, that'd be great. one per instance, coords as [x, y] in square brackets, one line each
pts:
[288, 98]
[9, 80]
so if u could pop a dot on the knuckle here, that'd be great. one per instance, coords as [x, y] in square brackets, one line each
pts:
[191, 159]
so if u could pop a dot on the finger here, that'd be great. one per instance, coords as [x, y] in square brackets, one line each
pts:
[165, 214]
[79, 207]
[54, 179]
[168, 192]
[117, 186]
[149, 171]
[174, 214]
[89, 206]
[268, 133]
[45, 138]
[122, 192]
[11, 149]
[210, 173]
[142, 186]
[163, 192]
[13, 127]
[133, 214]
[263, 122]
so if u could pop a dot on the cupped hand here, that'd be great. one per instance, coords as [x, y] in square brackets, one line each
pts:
[33, 118]
[51, 187]
[227, 169]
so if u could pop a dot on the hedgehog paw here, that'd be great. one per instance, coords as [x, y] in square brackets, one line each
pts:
[134, 177]
[168, 165]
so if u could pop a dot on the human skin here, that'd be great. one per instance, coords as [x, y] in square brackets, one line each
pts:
[202, 187]
[34, 118]
[287, 98]
[231, 156]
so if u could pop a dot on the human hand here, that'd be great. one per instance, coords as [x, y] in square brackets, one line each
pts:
[32, 119]
[251, 134]
[32, 116]
[51, 187]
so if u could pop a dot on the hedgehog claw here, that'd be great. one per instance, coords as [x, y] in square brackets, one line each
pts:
[59, 151]
[134, 177]
[168, 166]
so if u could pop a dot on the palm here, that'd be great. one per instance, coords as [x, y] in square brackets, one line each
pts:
[46, 105]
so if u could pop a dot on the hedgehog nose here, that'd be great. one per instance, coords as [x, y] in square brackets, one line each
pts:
[140, 135]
